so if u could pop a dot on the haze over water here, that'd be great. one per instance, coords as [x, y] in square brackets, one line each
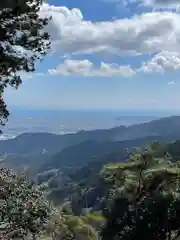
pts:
[67, 120]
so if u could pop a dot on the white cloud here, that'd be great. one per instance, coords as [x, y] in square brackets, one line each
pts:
[27, 76]
[171, 83]
[155, 4]
[162, 4]
[149, 33]
[143, 34]
[87, 68]
[163, 61]
[160, 63]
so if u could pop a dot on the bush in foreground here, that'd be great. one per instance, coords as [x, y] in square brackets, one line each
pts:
[23, 208]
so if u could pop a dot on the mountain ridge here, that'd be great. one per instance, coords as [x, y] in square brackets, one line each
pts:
[34, 143]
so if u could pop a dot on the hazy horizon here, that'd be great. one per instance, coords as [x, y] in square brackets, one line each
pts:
[150, 110]
[61, 121]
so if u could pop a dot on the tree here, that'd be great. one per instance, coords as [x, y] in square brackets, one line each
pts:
[147, 205]
[63, 225]
[23, 208]
[22, 42]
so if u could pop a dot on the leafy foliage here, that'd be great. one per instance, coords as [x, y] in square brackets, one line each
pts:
[89, 186]
[22, 42]
[146, 198]
[23, 208]
[139, 197]
[136, 198]
[63, 226]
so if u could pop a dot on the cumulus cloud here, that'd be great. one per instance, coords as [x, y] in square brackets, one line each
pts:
[160, 63]
[156, 33]
[143, 34]
[87, 68]
[163, 61]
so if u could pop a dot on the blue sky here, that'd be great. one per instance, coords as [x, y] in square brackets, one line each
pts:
[107, 54]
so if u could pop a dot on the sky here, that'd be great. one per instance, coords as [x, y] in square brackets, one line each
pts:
[106, 54]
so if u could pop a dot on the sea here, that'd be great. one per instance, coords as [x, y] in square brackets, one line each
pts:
[62, 121]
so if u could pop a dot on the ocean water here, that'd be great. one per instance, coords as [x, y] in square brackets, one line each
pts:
[68, 121]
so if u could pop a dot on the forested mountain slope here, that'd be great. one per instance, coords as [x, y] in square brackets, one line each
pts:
[35, 143]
